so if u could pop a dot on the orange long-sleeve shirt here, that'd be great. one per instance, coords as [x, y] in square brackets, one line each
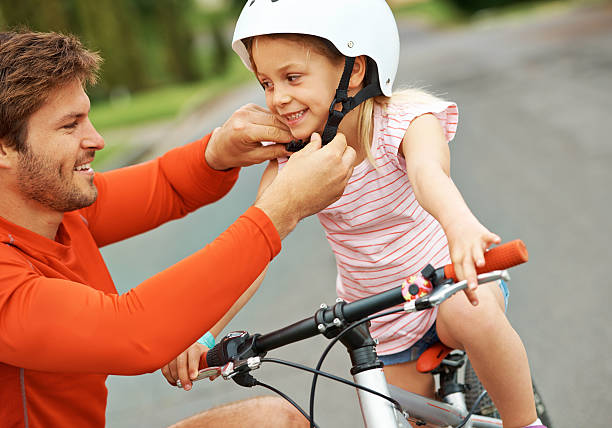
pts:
[64, 328]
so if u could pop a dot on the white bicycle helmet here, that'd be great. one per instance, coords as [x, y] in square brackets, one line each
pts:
[354, 27]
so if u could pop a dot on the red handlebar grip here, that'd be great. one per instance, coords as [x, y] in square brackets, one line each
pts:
[501, 257]
[203, 364]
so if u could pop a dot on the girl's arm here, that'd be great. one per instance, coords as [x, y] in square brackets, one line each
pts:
[267, 177]
[185, 366]
[428, 166]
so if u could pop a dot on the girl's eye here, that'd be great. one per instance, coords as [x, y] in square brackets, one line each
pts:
[293, 77]
[266, 85]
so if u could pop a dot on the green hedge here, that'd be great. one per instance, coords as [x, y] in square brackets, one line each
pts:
[471, 6]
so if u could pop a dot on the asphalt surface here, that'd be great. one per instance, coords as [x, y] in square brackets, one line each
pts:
[531, 157]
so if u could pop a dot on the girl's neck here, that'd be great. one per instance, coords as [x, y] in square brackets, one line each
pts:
[350, 128]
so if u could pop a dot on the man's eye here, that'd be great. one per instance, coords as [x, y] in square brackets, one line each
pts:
[71, 125]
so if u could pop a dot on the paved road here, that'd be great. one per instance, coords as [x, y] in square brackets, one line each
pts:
[532, 159]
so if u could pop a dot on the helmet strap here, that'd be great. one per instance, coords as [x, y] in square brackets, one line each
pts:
[372, 89]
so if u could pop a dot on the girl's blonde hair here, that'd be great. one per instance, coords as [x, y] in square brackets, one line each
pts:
[366, 113]
[366, 109]
[318, 44]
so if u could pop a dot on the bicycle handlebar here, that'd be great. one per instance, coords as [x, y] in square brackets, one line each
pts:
[499, 258]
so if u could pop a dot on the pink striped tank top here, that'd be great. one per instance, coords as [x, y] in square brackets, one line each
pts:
[379, 233]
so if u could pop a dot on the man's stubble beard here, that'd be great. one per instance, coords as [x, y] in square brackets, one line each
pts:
[46, 184]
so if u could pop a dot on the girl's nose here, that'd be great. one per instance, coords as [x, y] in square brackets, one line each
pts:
[281, 97]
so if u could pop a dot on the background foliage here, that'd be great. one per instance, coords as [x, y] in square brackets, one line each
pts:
[144, 43]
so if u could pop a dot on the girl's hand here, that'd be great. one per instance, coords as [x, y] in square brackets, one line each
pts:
[185, 366]
[468, 240]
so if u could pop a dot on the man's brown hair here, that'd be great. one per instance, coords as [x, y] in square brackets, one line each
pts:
[32, 65]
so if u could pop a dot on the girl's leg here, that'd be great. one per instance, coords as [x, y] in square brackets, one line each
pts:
[495, 350]
[406, 376]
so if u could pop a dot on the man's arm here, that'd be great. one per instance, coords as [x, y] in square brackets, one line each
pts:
[79, 329]
[312, 179]
[139, 198]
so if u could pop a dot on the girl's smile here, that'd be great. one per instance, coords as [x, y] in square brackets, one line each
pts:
[292, 119]
[299, 82]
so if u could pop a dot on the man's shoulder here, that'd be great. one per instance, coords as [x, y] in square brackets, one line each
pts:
[11, 255]
[9, 250]
[14, 268]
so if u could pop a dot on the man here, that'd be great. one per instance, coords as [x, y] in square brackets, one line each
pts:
[63, 328]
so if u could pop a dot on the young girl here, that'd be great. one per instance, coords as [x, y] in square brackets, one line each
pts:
[400, 210]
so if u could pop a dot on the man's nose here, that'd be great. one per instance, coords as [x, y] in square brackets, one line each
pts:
[93, 140]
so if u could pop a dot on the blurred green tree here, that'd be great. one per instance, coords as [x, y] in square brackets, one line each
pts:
[144, 43]
[111, 26]
[472, 6]
[178, 38]
[236, 6]
[34, 15]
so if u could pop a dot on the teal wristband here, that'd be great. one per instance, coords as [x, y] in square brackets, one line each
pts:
[207, 340]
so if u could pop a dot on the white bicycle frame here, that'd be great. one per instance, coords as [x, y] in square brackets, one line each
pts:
[380, 413]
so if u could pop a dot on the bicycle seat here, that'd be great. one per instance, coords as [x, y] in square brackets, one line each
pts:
[432, 357]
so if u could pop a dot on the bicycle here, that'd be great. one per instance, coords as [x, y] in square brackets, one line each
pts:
[382, 405]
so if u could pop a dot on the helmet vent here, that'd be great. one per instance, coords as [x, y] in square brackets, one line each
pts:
[350, 44]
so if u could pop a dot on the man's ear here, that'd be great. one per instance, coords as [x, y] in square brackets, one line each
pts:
[7, 155]
[359, 70]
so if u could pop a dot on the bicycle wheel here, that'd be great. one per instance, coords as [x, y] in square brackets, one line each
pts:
[473, 390]
[486, 406]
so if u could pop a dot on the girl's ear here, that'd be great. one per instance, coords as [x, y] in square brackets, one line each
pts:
[359, 70]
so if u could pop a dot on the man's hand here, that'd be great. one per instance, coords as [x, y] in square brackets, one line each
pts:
[185, 366]
[238, 141]
[312, 179]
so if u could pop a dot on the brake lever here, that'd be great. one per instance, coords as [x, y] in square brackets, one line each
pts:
[207, 373]
[251, 363]
[228, 371]
[444, 291]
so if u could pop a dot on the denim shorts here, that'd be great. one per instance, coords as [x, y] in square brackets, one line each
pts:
[429, 338]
